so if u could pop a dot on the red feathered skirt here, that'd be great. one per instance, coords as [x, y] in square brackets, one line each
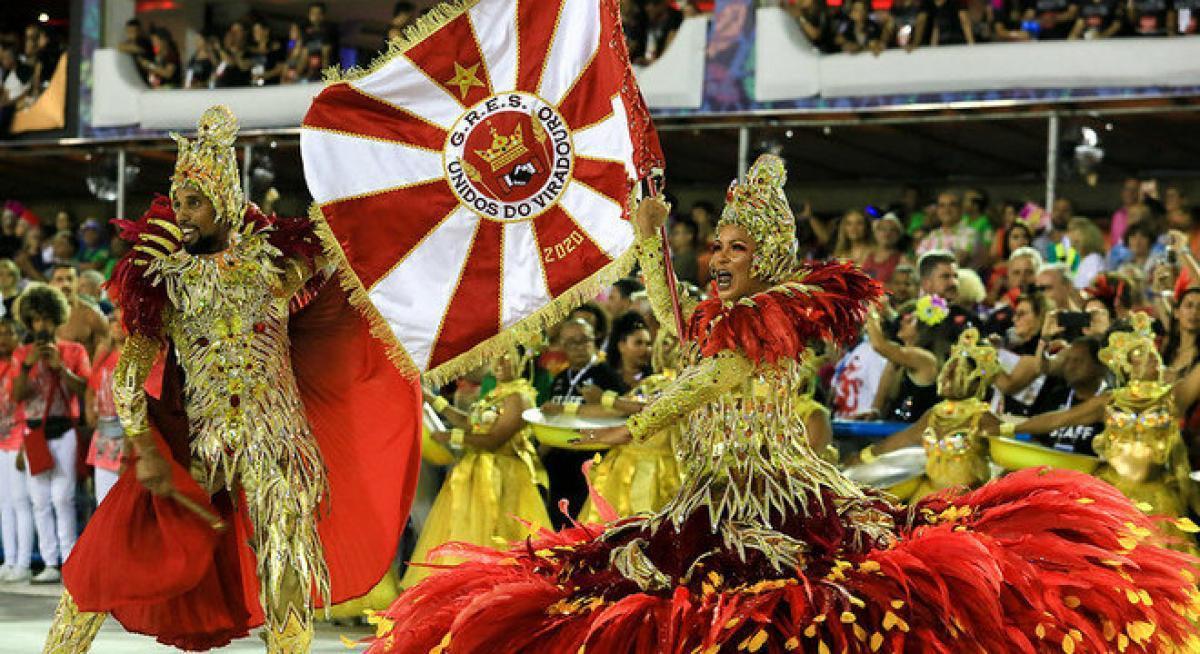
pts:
[1035, 562]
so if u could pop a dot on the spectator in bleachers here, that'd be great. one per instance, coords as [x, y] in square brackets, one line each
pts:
[684, 258]
[234, 68]
[1149, 17]
[11, 284]
[1184, 18]
[320, 41]
[93, 250]
[662, 23]
[1008, 21]
[909, 384]
[1088, 242]
[296, 65]
[938, 270]
[268, 60]
[633, 24]
[1055, 283]
[903, 285]
[891, 248]
[1099, 19]
[979, 21]
[949, 23]
[815, 20]
[33, 266]
[952, 234]
[1141, 242]
[1051, 19]
[202, 65]
[1016, 275]
[136, 44]
[1120, 218]
[858, 31]
[975, 213]
[12, 85]
[906, 25]
[162, 68]
[1061, 213]
[855, 242]
[403, 14]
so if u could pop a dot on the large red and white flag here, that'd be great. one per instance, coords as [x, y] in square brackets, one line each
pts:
[478, 176]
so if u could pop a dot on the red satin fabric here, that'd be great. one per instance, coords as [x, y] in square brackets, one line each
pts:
[162, 571]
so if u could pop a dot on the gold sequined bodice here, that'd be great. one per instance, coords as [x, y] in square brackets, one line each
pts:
[956, 452]
[229, 326]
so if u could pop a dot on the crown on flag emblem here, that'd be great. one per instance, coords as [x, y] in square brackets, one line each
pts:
[505, 149]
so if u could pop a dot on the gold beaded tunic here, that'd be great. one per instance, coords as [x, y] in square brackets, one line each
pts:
[228, 322]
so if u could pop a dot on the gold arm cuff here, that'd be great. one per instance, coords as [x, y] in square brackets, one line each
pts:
[608, 399]
[440, 404]
[867, 454]
[570, 408]
[457, 437]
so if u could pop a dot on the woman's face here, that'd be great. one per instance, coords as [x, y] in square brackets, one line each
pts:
[1027, 324]
[854, 225]
[1188, 313]
[7, 278]
[635, 349]
[1017, 238]
[887, 233]
[732, 255]
[1076, 238]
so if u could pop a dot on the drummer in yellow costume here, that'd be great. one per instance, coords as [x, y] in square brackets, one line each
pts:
[954, 431]
[1141, 445]
[494, 487]
[637, 477]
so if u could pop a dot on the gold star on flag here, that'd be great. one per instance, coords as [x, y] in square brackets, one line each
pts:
[464, 78]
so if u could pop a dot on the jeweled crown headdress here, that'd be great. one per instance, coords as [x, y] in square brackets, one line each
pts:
[1125, 347]
[981, 353]
[208, 164]
[760, 206]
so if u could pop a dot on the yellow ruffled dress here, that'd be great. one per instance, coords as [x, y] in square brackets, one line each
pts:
[638, 477]
[486, 494]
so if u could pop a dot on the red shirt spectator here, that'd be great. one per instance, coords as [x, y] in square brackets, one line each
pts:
[75, 359]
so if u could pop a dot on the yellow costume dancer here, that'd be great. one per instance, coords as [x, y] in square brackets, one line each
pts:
[1143, 450]
[638, 477]
[953, 431]
[815, 416]
[494, 487]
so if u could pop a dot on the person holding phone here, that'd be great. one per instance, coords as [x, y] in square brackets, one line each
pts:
[51, 373]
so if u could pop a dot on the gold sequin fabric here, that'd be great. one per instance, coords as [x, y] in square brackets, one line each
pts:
[486, 411]
[73, 630]
[229, 324]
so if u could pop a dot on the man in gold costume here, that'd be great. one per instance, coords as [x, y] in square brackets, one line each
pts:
[249, 441]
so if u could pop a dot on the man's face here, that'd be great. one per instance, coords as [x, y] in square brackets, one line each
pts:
[949, 209]
[903, 286]
[316, 14]
[198, 220]
[88, 286]
[943, 282]
[1052, 285]
[578, 343]
[1061, 214]
[1129, 191]
[65, 280]
[1026, 322]
[42, 327]
[1021, 272]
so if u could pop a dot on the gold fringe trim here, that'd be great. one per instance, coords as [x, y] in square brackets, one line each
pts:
[357, 294]
[433, 20]
[529, 329]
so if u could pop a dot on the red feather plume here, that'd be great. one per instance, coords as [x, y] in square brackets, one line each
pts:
[825, 301]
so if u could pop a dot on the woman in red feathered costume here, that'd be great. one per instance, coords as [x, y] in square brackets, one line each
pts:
[768, 549]
[275, 449]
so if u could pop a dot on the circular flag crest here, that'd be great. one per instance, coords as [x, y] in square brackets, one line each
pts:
[509, 157]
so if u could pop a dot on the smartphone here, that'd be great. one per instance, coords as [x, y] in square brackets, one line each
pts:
[1073, 323]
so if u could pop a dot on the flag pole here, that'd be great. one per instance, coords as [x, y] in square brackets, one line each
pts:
[655, 187]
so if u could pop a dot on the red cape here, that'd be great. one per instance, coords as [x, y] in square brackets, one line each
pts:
[162, 571]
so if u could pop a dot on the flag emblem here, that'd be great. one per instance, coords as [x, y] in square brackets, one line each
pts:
[477, 177]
